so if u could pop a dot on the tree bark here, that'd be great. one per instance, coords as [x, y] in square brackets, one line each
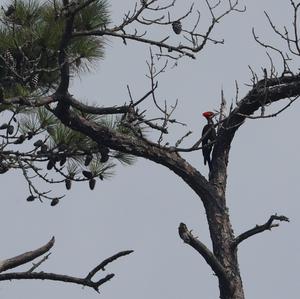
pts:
[222, 237]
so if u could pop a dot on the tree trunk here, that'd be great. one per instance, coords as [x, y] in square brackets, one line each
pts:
[222, 237]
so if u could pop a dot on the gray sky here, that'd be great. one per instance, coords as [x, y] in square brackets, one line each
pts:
[142, 206]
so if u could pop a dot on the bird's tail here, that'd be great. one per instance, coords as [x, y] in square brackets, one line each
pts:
[209, 164]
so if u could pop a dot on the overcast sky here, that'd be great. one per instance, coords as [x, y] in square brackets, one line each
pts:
[142, 206]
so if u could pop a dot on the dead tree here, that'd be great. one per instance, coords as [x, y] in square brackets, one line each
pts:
[263, 92]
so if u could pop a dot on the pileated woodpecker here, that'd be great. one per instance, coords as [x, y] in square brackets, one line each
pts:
[208, 136]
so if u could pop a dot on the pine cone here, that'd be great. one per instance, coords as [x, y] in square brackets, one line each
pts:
[10, 129]
[34, 81]
[92, 183]
[87, 174]
[30, 198]
[9, 59]
[10, 10]
[50, 164]
[54, 202]
[68, 184]
[177, 27]
[88, 160]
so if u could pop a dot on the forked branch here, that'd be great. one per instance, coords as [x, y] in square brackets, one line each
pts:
[25, 257]
[149, 13]
[31, 274]
[260, 228]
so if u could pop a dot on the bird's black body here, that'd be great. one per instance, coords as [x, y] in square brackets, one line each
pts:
[208, 135]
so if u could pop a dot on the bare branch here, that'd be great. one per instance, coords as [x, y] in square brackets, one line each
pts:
[259, 229]
[35, 265]
[209, 257]
[107, 261]
[266, 91]
[105, 110]
[179, 141]
[197, 40]
[55, 277]
[291, 101]
[267, 46]
[222, 111]
[25, 257]
[160, 44]
[30, 274]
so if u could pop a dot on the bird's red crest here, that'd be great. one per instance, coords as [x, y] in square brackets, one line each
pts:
[208, 114]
